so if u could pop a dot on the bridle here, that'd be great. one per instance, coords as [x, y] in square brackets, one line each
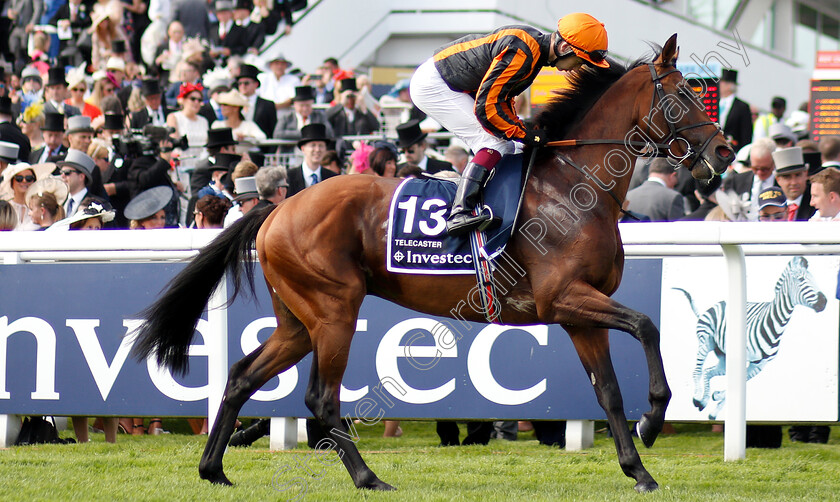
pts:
[663, 149]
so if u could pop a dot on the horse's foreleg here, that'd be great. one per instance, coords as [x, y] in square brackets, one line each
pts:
[281, 351]
[593, 348]
[322, 398]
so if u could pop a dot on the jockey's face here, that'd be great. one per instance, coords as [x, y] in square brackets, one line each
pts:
[566, 60]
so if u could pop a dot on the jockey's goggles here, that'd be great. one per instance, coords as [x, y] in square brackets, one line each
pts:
[595, 56]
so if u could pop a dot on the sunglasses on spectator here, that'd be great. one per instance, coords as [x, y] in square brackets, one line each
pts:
[595, 56]
[108, 89]
[76, 89]
[68, 172]
[193, 98]
[410, 149]
[28, 178]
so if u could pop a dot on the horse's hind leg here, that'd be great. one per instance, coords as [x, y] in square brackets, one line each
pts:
[286, 346]
[593, 348]
[322, 398]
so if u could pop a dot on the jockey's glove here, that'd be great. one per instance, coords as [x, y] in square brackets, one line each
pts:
[536, 137]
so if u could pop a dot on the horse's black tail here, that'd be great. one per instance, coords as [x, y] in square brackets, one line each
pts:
[170, 322]
[690, 301]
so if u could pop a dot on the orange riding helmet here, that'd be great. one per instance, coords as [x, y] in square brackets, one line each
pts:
[587, 37]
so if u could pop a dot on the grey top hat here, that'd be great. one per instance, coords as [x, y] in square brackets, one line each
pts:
[245, 188]
[9, 151]
[78, 123]
[148, 202]
[80, 161]
[223, 5]
[789, 160]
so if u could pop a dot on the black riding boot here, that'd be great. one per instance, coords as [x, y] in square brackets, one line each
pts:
[461, 220]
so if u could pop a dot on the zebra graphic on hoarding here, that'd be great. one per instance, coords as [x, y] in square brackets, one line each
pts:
[766, 322]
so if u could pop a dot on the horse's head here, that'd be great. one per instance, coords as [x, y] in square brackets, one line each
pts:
[801, 285]
[677, 118]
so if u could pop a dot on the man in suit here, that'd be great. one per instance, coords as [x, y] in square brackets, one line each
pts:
[748, 185]
[254, 32]
[211, 109]
[53, 133]
[226, 37]
[55, 92]
[76, 171]
[155, 112]
[412, 142]
[829, 152]
[313, 144]
[9, 132]
[260, 111]
[75, 15]
[193, 16]
[733, 113]
[656, 197]
[792, 177]
[290, 124]
[347, 117]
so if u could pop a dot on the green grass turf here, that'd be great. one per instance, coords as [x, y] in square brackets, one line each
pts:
[688, 466]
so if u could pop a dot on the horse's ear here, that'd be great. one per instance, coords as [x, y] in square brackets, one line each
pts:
[669, 53]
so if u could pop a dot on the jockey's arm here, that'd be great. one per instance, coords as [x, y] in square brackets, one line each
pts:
[494, 106]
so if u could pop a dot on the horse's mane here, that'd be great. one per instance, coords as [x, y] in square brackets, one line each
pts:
[568, 105]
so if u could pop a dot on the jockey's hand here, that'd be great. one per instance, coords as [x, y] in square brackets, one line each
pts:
[536, 137]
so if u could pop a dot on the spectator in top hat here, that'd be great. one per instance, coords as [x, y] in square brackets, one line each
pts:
[761, 128]
[277, 85]
[313, 144]
[734, 114]
[10, 132]
[55, 92]
[254, 32]
[155, 111]
[76, 170]
[226, 37]
[53, 133]
[290, 124]
[79, 132]
[221, 154]
[259, 110]
[412, 142]
[792, 177]
[246, 198]
[825, 194]
[349, 116]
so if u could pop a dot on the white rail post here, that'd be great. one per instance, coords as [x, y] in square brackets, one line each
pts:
[735, 432]
[217, 367]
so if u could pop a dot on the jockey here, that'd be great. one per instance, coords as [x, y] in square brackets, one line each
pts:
[469, 85]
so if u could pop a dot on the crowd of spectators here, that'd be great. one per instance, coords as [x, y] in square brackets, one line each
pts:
[128, 114]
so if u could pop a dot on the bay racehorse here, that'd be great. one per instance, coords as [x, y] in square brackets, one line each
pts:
[324, 249]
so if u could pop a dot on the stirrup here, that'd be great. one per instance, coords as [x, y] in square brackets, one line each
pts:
[492, 222]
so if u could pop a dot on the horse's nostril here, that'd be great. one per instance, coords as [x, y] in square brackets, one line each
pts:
[724, 152]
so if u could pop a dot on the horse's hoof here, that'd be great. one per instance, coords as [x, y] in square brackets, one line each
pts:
[378, 485]
[646, 431]
[699, 404]
[217, 478]
[646, 486]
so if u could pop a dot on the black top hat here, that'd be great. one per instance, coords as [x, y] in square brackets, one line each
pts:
[150, 87]
[410, 133]
[728, 75]
[148, 202]
[348, 84]
[55, 76]
[814, 162]
[222, 136]
[118, 46]
[244, 4]
[5, 105]
[304, 93]
[53, 122]
[313, 132]
[249, 71]
[224, 161]
[114, 122]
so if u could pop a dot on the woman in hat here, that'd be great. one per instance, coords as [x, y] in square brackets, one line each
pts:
[146, 211]
[469, 87]
[187, 122]
[105, 30]
[31, 121]
[232, 103]
[104, 85]
[16, 181]
[45, 208]
[77, 88]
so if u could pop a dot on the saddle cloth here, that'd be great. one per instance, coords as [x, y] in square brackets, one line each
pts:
[417, 239]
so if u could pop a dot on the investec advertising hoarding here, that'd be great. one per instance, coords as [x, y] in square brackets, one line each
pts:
[63, 351]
